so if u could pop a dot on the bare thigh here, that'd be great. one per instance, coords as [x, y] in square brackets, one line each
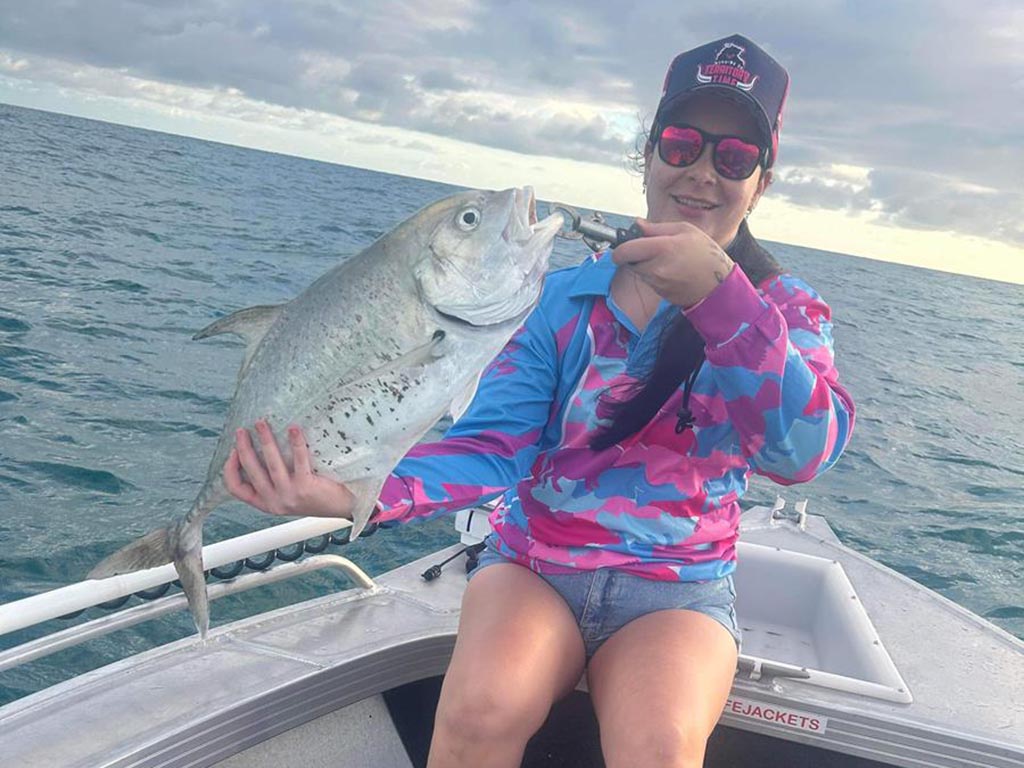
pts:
[518, 650]
[659, 685]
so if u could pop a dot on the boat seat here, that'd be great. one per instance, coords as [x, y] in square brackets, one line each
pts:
[361, 735]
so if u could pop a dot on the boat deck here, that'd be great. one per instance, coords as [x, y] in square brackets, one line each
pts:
[257, 680]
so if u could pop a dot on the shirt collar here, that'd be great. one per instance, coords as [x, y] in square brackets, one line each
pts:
[594, 276]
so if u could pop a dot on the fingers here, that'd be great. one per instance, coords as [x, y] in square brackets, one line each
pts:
[659, 238]
[236, 485]
[643, 249]
[300, 452]
[665, 228]
[252, 464]
[272, 459]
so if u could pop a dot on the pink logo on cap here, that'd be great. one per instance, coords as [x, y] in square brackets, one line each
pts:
[729, 69]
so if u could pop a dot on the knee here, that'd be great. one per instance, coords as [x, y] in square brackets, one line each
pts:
[483, 714]
[668, 744]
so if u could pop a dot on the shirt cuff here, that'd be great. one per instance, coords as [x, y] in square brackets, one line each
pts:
[732, 307]
[394, 501]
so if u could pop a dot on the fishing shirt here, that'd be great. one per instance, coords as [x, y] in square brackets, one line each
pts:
[658, 504]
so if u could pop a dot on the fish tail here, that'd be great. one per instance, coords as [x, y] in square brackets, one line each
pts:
[188, 562]
[152, 550]
[180, 544]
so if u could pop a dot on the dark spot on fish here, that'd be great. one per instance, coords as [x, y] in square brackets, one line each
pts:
[330, 419]
[369, 419]
[342, 435]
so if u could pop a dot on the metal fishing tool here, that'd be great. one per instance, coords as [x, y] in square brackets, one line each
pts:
[593, 230]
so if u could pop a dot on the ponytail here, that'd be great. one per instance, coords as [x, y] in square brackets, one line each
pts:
[680, 356]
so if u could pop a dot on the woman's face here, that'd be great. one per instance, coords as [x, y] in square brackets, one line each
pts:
[697, 193]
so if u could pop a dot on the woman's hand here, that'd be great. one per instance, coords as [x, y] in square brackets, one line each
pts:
[679, 261]
[275, 490]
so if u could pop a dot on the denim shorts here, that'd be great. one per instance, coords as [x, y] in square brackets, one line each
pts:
[605, 600]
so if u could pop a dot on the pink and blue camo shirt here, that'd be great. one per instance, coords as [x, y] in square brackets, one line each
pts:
[659, 504]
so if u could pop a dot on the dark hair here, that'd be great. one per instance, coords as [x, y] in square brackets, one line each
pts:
[680, 355]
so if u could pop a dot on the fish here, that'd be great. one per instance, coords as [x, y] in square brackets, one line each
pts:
[369, 357]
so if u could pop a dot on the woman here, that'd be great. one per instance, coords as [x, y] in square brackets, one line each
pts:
[621, 423]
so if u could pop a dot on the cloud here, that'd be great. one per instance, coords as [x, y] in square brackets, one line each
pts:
[443, 80]
[910, 198]
[938, 124]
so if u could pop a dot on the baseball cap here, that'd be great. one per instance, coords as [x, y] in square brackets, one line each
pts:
[739, 69]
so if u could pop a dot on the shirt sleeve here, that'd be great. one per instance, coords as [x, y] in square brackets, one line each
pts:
[493, 444]
[772, 357]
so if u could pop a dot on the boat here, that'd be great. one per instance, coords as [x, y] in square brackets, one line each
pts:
[844, 664]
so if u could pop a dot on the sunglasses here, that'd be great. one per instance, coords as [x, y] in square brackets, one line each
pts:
[733, 158]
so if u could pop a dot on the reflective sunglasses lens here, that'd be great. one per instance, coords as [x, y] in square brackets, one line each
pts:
[680, 146]
[735, 158]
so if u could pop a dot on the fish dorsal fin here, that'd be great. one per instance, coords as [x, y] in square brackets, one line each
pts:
[251, 323]
[464, 398]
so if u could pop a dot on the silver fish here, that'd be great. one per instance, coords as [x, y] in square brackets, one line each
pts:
[370, 356]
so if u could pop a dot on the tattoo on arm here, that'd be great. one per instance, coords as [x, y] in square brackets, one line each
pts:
[724, 265]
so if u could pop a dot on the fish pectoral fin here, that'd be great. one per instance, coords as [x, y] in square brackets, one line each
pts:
[251, 323]
[424, 353]
[414, 358]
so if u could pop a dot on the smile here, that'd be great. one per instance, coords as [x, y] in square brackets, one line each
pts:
[692, 202]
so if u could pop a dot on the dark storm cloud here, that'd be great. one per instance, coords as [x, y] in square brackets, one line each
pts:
[927, 94]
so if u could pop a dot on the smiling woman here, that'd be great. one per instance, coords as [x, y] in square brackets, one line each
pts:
[620, 425]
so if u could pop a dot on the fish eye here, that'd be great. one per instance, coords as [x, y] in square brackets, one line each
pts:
[468, 219]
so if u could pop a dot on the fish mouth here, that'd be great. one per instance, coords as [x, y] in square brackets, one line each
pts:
[523, 228]
[538, 237]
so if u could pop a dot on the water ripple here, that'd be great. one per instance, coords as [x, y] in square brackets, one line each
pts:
[74, 476]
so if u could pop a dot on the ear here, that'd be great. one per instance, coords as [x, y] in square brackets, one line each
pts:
[762, 184]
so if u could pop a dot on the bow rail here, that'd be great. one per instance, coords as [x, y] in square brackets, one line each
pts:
[58, 603]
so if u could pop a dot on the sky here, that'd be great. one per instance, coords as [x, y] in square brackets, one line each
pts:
[903, 137]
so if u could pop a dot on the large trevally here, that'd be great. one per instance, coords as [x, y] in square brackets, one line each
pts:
[370, 356]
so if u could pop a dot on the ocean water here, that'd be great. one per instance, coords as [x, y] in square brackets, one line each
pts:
[117, 244]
